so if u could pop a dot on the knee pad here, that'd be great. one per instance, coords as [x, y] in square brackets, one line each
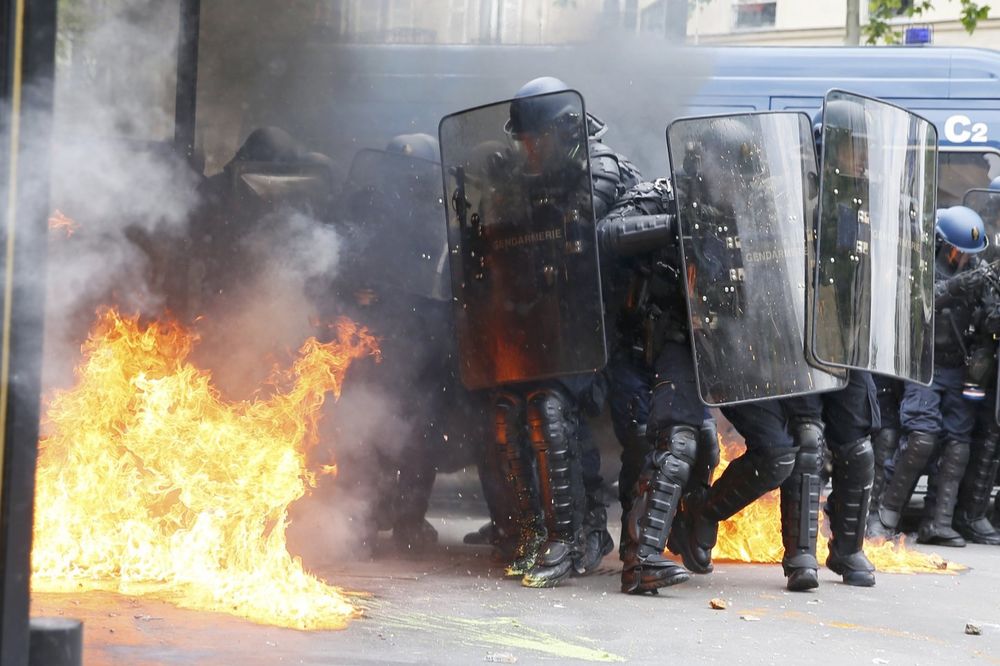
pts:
[551, 418]
[508, 417]
[773, 466]
[810, 444]
[680, 440]
[856, 461]
[708, 446]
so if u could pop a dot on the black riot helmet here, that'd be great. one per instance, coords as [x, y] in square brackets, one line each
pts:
[547, 127]
[845, 137]
[535, 110]
[420, 145]
[269, 144]
[731, 144]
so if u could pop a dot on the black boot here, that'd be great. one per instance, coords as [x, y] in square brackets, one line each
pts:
[800, 507]
[853, 473]
[519, 530]
[657, 496]
[551, 428]
[747, 478]
[936, 527]
[974, 494]
[909, 466]
[596, 540]
[884, 445]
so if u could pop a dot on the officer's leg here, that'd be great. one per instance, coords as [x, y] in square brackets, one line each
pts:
[675, 419]
[977, 484]
[800, 493]
[552, 419]
[920, 417]
[515, 463]
[850, 415]
[769, 459]
[411, 531]
[595, 539]
[629, 401]
[886, 439]
[958, 419]
[706, 461]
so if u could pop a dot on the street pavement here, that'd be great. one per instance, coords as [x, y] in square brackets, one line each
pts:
[452, 606]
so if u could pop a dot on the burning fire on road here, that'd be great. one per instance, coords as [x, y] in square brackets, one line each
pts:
[149, 483]
[754, 535]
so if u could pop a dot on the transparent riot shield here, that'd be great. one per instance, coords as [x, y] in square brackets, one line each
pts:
[874, 281]
[395, 222]
[522, 240]
[746, 188]
[983, 367]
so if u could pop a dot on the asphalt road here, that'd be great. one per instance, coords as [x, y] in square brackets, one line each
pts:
[454, 607]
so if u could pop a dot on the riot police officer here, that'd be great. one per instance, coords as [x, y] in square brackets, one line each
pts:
[981, 383]
[540, 429]
[678, 468]
[840, 423]
[638, 240]
[847, 416]
[938, 419]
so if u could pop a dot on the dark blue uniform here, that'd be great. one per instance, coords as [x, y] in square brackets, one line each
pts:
[848, 417]
[936, 420]
[676, 417]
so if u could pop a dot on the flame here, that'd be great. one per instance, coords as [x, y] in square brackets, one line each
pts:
[149, 483]
[754, 535]
[59, 221]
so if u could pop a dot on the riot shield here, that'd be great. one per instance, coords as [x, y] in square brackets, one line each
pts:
[874, 280]
[987, 204]
[522, 240]
[394, 221]
[746, 188]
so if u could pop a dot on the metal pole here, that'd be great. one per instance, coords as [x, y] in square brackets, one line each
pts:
[29, 29]
[187, 78]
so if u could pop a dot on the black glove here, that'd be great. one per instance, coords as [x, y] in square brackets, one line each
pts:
[967, 283]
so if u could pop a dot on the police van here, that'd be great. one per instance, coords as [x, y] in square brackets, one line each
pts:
[957, 89]
[407, 88]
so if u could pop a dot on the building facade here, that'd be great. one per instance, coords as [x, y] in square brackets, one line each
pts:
[807, 22]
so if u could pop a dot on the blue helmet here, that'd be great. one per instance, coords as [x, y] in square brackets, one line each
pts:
[963, 228]
[995, 183]
[533, 115]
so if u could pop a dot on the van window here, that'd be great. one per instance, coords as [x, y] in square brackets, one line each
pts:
[962, 170]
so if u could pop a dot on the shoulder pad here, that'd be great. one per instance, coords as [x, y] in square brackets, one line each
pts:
[612, 175]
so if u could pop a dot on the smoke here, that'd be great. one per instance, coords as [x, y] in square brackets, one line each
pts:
[138, 208]
[113, 172]
[260, 319]
[339, 98]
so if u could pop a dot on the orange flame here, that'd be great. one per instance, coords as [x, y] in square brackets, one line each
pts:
[59, 221]
[150, 483]
[754, 535]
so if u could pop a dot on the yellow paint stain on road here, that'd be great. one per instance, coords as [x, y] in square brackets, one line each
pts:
[505, 632]
[850, 626]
